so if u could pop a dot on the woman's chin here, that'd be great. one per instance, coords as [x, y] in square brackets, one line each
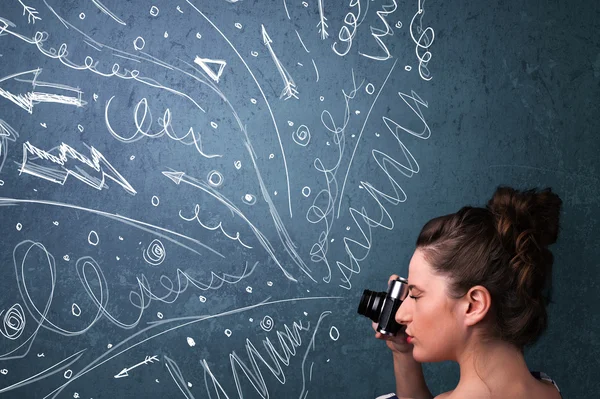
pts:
[422, 356]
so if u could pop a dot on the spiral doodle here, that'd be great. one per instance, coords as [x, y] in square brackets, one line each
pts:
[301, 136]
[13, 322]
[155, 253]
[267, 323]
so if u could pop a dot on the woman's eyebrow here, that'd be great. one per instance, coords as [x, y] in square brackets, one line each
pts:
[410, 287]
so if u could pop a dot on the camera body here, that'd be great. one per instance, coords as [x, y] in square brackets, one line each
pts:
[381, 307]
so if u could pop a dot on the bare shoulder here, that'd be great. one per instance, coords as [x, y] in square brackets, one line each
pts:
[543, 390]
[548, 391]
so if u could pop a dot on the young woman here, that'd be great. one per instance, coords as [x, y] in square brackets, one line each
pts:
[479, 281]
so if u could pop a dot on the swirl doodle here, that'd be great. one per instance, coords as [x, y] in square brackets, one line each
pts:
[13, 322]
[267, 323]
[155, 253]
[301, 136]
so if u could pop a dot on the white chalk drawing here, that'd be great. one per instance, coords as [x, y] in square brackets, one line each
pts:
[302, 136]
[13, 322]
[7, 133]
[267, 323]
[423, 39]
[50, 92]
[58, 169]
[139, 43]
[379, 32]
[126, 370]
[93, 238]
[289, 87]
[322, 25]
[207, 64]
[106, 11]
[155, 253]
[32, 14]
[207, 140]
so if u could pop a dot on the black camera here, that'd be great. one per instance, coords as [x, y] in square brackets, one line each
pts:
[381, 307]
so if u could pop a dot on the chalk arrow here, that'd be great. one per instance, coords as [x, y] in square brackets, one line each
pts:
[122, 373]
[175, 176]
[60, 93]
[265, 35]
[322, 25]
[289, 89]
[147, 360]
[7, 133]
[205, 65]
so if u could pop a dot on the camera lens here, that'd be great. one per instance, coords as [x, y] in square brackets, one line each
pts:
[371, 303]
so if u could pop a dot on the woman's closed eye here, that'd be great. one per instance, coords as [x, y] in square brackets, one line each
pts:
[414, 297]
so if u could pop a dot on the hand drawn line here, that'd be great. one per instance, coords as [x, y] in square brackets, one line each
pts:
[31, 13]
[273, 211]
[286, 10]
[360, 135]
[29, 99]
[408, 167]
[147, 360]
[89, 64]
[45, 373]
[322, 25]
[219, 226]
[195, 319]
[301, 42]
[7, 133]
[60, 173]
[178, 177]
[379, 33]
[105, 10]
[289, 87]
[311, 344]
[423, 42]
[141, 113]
[204, 64]
[123, 219]
[177, 376]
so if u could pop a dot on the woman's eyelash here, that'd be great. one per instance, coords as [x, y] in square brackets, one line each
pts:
[414, 297]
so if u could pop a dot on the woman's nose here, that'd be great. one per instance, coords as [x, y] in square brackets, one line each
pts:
[402, 314]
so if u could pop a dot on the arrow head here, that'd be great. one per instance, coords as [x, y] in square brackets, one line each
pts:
[22, 100]
[122, 373]
[175, 176]
[265, 35]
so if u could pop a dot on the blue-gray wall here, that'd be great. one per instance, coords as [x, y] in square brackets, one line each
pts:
[195, 193]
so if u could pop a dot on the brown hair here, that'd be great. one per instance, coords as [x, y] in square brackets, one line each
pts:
[502, 247]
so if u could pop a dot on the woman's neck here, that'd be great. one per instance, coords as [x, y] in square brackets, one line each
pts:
[492, 366]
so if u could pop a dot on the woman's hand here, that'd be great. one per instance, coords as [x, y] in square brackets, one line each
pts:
[398, 342]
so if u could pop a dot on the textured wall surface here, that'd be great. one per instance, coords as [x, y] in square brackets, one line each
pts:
[194, 194]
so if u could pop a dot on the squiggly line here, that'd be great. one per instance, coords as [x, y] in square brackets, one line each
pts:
[191, 320]
[218, 226]
[423, 42]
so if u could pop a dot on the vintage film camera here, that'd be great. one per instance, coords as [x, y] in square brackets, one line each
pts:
[381, 307]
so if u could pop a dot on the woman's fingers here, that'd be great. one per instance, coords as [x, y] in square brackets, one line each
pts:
[392, 278]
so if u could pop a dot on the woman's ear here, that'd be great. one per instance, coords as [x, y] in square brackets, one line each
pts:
[477, 302]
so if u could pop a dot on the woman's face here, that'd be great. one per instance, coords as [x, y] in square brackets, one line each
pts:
[431, 319]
